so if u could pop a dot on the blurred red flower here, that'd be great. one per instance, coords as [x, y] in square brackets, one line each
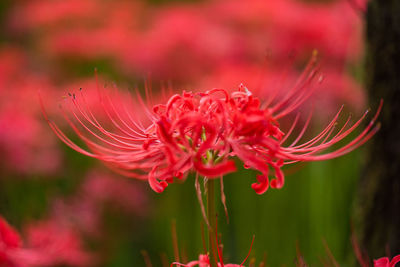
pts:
[184, 44]
[56, 244]
[25, 143]
[47, 245]
[84, 209]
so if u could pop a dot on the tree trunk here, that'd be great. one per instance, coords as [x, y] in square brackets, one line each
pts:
[378, 205]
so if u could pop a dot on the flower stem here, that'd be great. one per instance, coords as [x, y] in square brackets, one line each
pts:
[212, 217]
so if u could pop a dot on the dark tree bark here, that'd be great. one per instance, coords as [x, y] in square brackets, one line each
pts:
[378, 204]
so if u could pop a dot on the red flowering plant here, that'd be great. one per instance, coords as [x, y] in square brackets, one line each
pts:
[203, 132]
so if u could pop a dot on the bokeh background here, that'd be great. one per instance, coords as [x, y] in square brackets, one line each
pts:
[49, 192]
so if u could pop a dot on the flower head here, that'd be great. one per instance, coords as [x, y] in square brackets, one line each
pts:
[203, 132]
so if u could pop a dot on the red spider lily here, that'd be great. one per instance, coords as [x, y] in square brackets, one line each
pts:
[203, 132]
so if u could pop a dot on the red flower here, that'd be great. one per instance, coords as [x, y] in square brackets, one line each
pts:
[203, 132]
[384, 262]
[204, 261]
[51, 243]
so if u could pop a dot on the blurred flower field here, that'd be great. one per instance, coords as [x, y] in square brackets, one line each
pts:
[71, 210]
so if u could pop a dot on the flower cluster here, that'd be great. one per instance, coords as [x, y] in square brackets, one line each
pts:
[200, 50]
[203, 132]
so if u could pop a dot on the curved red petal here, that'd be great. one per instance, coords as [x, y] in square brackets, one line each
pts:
[394, 261]
[211, 171]
[262, 186]
[8, 235]
[381, 262]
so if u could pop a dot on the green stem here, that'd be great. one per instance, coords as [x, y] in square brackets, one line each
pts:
[212, 217]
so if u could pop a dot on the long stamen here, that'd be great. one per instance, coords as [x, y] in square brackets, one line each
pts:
[248, 254]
